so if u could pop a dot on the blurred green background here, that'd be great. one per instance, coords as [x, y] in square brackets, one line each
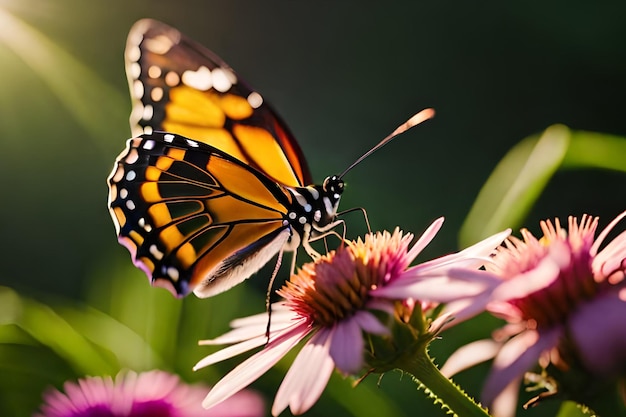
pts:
[342, 76]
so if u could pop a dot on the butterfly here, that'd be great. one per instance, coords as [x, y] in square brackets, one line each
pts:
[214, 184]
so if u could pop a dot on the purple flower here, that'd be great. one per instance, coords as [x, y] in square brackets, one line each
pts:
[331, 303]
[148, 394]
[563, 298]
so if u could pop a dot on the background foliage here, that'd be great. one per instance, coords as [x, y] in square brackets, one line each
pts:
[343, 76]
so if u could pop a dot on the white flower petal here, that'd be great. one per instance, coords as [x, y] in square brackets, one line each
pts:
[307, 377]
[280, 313]
[254, 328]
[244, 346]
[255, 366]
[230, 351]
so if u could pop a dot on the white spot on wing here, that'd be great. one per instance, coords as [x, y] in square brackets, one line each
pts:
[172, 79]
[154, 72]
[134, 70]
[131, 175]
[255, 100]
[173, 273]
[149, 144]
[222, 82]
[133, 53]
[156, 94]
[201, 79]
[160, 44]
[148, 112]
[138, 89]
[130, 204]
[158, 255]
[169, 138]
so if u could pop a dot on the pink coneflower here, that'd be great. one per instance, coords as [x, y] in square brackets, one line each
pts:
[148, 394]
[560, 295]
[331, 303]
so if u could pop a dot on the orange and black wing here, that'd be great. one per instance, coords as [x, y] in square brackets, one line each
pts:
[179, 86]
[193, 217]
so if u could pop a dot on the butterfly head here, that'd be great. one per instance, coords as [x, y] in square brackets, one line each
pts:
[333, 185]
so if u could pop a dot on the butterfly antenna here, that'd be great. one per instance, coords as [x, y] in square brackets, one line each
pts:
[413, 121]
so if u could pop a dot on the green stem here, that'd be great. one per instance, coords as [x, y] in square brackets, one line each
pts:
[441, 388]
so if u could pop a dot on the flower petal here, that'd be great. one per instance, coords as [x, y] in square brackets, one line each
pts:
[605, 232]
[308, 375]
[440, 288]
[245, 346]
[537, 278]
[505, 404]
[470, 355]
[597, 327]
[347, 345]
[424, 239]
[230, 351]
[256, 327]
[471, 257]
[517, 356]
[369, 323]
[255, 366]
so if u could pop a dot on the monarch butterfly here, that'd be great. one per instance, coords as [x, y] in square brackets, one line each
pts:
[214, 184]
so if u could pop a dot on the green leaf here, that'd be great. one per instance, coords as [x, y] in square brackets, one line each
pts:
[515, 184]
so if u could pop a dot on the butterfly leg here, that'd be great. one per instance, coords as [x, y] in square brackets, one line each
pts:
[268, 294]
[322, 234]
[362, 210]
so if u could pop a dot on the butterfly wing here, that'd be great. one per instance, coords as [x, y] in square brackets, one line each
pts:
[179, 86]
[192, 216]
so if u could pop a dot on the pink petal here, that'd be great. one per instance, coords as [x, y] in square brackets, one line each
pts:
[597, 327]
[529, 282]
[470, 355]
[255, 366]
[517, 356]
[230, 351]
[347, 346]
[369, 323]
[505, 404]
[254, 328]
[611, 257]
[437, 287]
[280, 312]
[243, 404]
[425, 239]
[605, 232]
[466, 308]
[471, 257]
[307, 377]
